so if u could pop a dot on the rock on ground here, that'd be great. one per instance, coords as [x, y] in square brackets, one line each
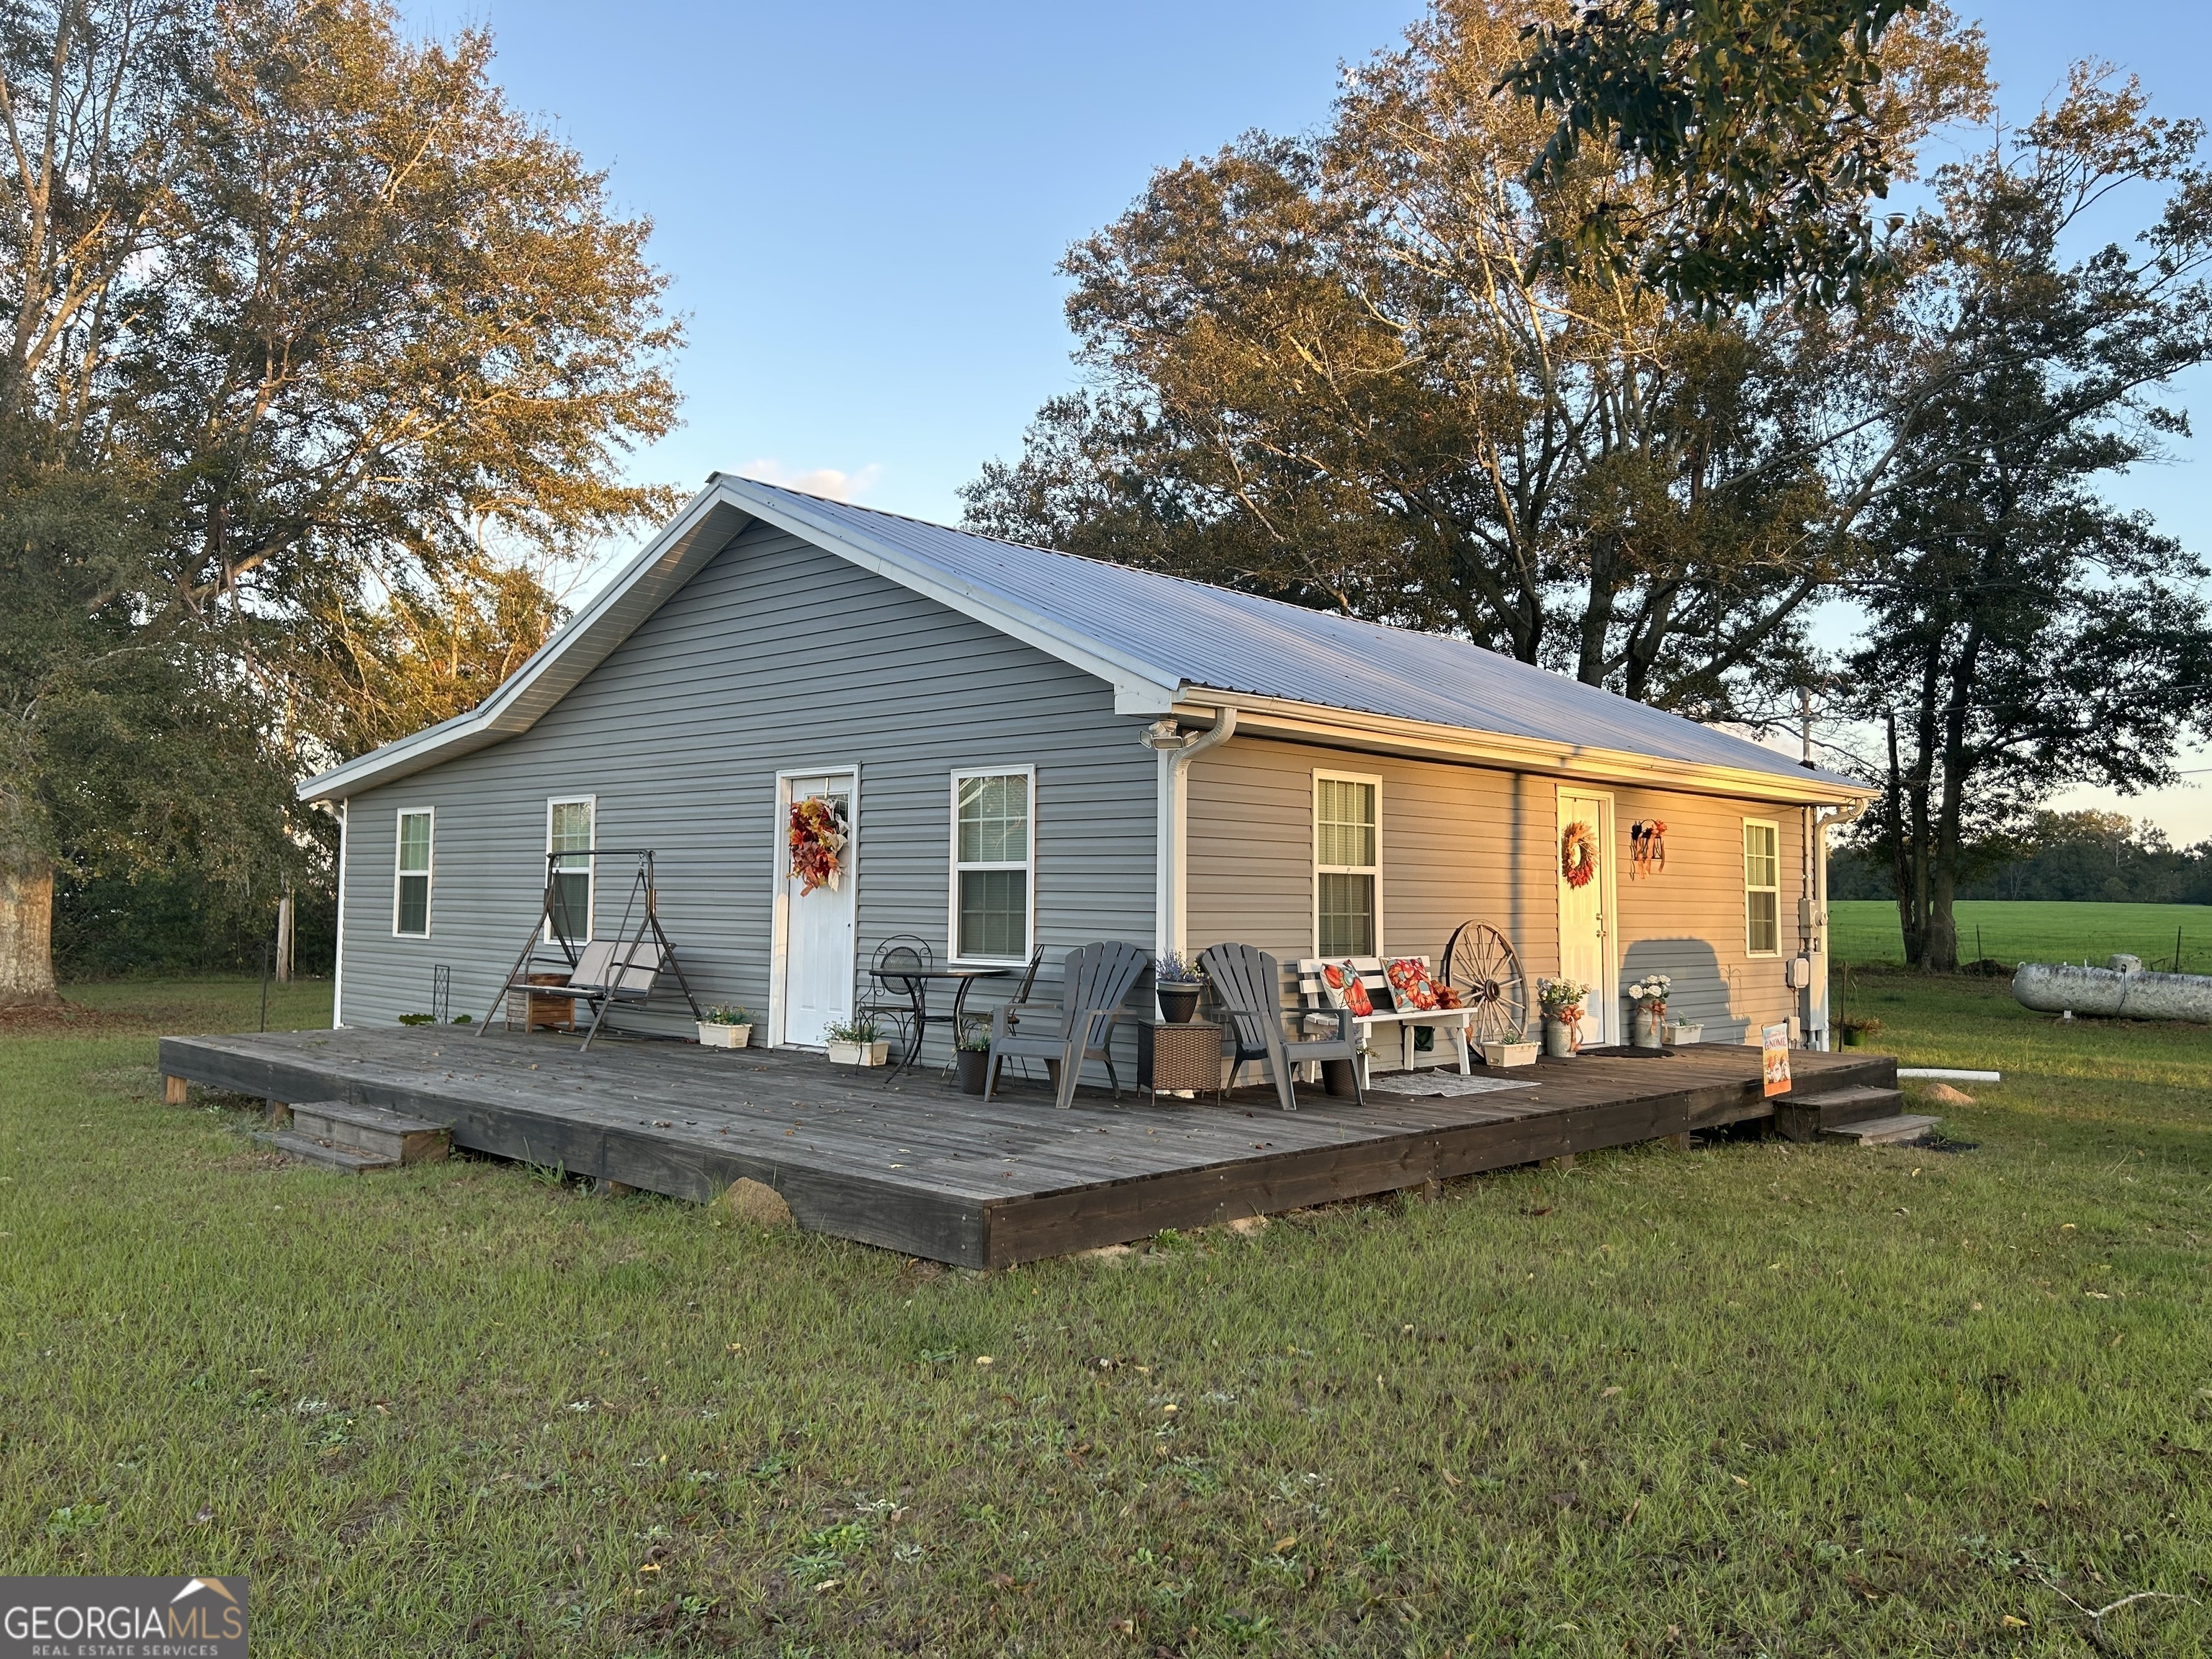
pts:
[758, 1203]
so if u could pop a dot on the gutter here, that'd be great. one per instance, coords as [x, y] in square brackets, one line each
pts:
[1389, 734]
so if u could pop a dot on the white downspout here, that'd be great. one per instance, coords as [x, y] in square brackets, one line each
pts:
[1816, 1031]
[1176, 750]
[337, 963]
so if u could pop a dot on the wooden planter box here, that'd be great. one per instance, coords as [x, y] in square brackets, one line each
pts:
[712, 1035]
[878, 1053]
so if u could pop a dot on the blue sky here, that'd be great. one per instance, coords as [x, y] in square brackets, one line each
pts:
[862, 204]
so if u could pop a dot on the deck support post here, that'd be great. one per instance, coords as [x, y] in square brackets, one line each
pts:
[175, 1090]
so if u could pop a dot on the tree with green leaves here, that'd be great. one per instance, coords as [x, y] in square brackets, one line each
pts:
[307, 330]
[2022, 635]
[1340, 371]
[1751, 137]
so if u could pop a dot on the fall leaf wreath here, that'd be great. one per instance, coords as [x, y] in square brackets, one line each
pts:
[1578, 853]
[818, 836]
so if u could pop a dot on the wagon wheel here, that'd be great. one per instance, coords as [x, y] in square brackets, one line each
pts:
[1482, 966]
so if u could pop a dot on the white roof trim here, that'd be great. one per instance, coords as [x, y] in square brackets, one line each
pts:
[702, 530]
[1139, 688]
[707, 523]
[1346, 728]
[718, 514]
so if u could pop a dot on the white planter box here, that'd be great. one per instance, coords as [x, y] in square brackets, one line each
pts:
[860, 1053]
[1510, 1054]
[713, 1036]
[1682, 1032]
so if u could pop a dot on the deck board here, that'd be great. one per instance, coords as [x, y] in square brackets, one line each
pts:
[913, 1165]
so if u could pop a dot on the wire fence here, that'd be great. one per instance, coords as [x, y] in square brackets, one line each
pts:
[2000, 934]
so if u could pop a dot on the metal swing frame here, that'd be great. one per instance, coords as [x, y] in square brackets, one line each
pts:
[630, 969]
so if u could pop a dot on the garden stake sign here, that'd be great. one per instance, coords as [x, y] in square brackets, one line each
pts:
[1578, 853]
[1647, 848]
[817, 839]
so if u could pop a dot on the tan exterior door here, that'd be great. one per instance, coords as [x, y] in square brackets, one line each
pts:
[1586, 917]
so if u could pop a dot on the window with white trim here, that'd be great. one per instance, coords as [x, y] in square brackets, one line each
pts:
[993, 865]
[1762, 887]
[410, 881]
[1347, 865]
[570, 826]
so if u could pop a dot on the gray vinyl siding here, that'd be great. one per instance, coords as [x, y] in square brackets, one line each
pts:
[776, 657]
[1462, 843]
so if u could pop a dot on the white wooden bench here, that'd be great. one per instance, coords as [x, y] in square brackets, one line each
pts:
[1388, 1034]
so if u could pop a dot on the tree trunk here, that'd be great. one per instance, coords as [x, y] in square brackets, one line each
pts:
[1900, 862]
[27, 932]
[1942, 938]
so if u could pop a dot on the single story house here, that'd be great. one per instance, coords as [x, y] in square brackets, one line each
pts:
[1027, 750]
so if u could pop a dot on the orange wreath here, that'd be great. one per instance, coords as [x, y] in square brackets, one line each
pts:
[1578, 855]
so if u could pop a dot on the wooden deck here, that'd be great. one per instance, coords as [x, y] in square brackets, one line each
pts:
[915, 1166]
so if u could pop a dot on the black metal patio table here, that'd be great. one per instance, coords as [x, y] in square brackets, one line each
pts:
[914, 981]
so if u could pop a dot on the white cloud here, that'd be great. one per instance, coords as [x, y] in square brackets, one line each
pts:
[825, 481]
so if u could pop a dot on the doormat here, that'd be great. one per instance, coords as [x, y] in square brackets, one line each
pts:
[1440, 1083]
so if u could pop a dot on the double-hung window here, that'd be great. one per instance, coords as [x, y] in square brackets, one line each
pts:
[993, 865]
[1347, 865]
[1762, 887]
[569, 838]
[411, 889]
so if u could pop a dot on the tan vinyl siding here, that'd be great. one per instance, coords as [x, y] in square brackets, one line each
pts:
[776, 656]
[1690, 921]
[1457, 842]
[1465, 843]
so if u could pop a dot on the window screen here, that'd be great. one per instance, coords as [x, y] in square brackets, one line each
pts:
[1762, 888]
[1347, 855]
[410, 912]
[991, 867]
[568, 834]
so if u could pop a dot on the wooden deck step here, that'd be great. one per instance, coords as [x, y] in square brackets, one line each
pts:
[1806, 1117]
[395, 1137]
[346, 1160]
[1905, 1130]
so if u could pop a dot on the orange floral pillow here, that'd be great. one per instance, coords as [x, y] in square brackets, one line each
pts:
[1411, 985]
[1447, 997]
[1340, 980]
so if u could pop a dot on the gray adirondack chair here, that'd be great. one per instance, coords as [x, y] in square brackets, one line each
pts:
[1248, 983]
[1092, 982]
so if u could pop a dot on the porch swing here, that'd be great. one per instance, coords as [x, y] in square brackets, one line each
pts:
[601, 972]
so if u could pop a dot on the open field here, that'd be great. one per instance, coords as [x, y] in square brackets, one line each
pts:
[1754, 1399]
[2026, 930]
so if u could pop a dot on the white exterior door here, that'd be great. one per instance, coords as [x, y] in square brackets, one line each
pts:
[814, 986]
[1586, 920]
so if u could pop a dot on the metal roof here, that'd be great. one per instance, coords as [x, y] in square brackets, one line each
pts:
[1216, 637]
[1156, 639]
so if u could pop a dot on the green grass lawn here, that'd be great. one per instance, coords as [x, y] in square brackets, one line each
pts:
[1756, 1399]
[2027, 930]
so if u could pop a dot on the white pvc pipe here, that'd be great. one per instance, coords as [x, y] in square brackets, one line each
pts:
[1950, 1074]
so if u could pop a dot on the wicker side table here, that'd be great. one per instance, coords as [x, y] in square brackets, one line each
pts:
[1173, 1057]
